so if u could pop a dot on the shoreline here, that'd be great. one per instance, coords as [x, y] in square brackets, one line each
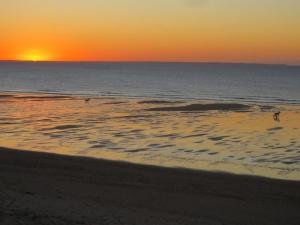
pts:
[196, 135]
[45, 188]
[149, 99]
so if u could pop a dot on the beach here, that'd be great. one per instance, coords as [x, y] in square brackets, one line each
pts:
[239, 138]
[43, 188]
[120, 160]
[129, 112]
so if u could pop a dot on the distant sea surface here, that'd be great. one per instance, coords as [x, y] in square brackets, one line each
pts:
[232, 82]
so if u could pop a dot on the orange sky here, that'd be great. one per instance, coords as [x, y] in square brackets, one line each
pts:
[263, 31]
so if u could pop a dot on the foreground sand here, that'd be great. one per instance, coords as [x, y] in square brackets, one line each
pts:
[40, 188]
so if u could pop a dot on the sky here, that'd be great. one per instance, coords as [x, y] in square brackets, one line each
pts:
[256, 31]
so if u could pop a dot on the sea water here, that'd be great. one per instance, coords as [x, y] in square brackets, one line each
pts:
[233, 82]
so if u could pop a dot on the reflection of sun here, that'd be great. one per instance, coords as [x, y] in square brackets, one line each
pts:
[34, 56]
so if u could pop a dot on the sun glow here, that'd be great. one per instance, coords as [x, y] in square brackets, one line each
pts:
[35, 56]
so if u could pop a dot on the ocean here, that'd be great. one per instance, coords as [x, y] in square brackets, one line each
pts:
[231, 82]
[43, 108]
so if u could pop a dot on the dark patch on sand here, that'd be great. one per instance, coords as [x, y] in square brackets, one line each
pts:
[288, 162]
[29, 193]
[55, 135]
[137, 150]
[7, 123]
[114, 103]
[65, 127]
[204, 107]
[275, 128]
[202, 151]
[199, 142]
[290, 150]
[188, 151]
[135, 131]
[153, 145]
[98, 146]
[213, 153]
[167, 135]
[159, 102]
[219, 138]
[120, 134]
[6, 96]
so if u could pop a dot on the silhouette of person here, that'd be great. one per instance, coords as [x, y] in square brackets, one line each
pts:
[276, 116]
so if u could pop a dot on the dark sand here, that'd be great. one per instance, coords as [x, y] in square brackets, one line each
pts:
[39, 188]
[159, 102]
[204, 107]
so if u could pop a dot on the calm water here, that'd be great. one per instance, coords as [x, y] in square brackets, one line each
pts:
[234, 82]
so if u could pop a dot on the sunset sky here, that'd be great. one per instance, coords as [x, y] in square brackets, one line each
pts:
[263, 31]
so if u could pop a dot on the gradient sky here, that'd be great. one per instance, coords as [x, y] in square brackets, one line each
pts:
[264, 31]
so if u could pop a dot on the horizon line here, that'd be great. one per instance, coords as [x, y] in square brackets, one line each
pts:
[148, 61]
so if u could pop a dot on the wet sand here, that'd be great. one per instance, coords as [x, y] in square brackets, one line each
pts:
[42, 188]
[239, 138]
[204, 107]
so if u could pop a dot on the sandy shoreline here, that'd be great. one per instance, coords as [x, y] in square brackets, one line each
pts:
[238, 138]
[42, 188]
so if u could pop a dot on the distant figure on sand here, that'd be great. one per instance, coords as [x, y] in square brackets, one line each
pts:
[276, 116]
[87, 99]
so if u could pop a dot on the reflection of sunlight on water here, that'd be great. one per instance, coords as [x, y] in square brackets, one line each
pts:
[248, 142]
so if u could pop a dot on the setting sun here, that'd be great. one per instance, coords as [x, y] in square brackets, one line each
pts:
[35, 56]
